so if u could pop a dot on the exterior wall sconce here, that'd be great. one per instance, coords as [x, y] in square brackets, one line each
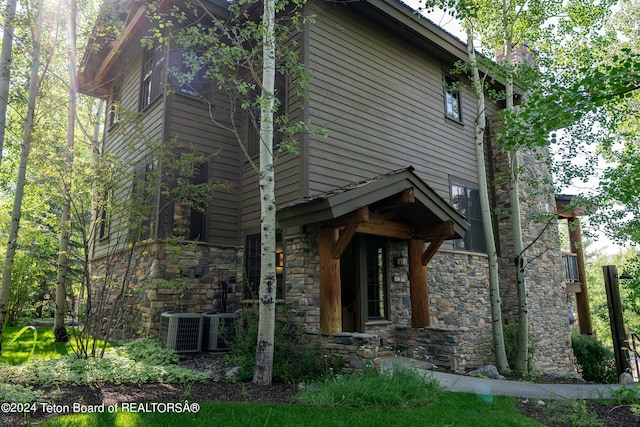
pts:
[279, 259]
[401, 261]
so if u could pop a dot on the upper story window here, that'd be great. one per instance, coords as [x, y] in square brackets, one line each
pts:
[452, 105]
[466, 200]
[152, 76]
[253, 117]
[113, 114]
[142, 206]
[188, 73]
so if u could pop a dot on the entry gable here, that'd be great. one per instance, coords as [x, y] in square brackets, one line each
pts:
[395, 198]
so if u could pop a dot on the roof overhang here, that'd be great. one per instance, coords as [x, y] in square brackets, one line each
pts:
[397, 204]
[571, 206]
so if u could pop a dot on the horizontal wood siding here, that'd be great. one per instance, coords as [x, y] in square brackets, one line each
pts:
[127, 144]
[190, 123]
[381, 98]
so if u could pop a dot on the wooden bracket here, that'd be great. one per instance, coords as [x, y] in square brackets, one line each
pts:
[440, 233]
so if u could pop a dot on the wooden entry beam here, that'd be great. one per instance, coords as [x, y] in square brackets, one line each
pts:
[418, 287]
[330, 286]
[351, 221]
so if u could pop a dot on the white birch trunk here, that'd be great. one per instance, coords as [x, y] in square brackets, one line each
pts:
[16, 212]
[516, 220]
[494, 279]
[59, 330]
[5, 67]
[268, 284]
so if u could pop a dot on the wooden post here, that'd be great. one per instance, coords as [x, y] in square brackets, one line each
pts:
[618, 333]
[330, 287]
[418, 285]
[582, 299]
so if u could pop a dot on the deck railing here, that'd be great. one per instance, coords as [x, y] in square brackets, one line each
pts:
[633, 343]
[570, 262]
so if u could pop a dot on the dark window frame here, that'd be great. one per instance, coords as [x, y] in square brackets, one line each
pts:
[465, 199]
[253, 116]
[252, 260]
[152, 76]
[452, 99]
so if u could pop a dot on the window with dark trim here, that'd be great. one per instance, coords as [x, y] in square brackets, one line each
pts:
[252, 258]
[452, 105]
[105, 216]
[152, 76]
[142, 207]
[189, 215]
[113, 114]
[376, 278]
[253, 117]
[466, 200]
[188, 74]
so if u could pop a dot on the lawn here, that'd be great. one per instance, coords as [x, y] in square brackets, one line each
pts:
[438, 409]
[453, 409]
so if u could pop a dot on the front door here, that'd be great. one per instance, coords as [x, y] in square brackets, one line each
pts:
[364, 282]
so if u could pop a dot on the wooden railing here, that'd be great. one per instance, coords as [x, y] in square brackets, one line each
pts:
[633, 343]
[570, 262]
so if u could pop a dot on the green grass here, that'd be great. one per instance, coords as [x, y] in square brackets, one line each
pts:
[453, 409]
[45, 346]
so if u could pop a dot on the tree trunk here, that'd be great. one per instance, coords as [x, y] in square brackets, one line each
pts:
[16, 212]
[268, 284]
[516, 220]
[5, 67]
[494, 283]
[59, 330]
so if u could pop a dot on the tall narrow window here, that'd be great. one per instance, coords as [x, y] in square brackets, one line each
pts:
[252, 258]
[253, 117]
[452, 99]
[113, 115]
[152, 76]
[142, 206]
[376, 279]
[105, 215]
[466, 200]
[188, 212]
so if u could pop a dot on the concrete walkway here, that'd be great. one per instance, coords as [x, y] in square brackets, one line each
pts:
[491, 387]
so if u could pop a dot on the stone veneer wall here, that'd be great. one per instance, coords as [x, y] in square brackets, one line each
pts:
[459, 303]
[199, 278]
[549, 328]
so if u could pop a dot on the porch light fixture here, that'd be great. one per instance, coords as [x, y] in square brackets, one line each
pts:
[401, 261]
[279, 259]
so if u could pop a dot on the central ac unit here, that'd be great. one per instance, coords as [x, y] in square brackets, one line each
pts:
[219, 330]
[181, 332]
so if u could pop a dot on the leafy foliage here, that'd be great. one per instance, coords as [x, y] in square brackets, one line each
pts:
[127, 364]
[293, 360]
[595, 361]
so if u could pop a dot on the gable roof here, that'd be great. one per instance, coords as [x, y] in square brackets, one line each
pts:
[428, 209]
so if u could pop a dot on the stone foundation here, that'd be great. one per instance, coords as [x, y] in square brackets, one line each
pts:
[196, 278]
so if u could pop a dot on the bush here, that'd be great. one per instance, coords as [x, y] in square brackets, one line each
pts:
[293, 359]
[595, 361]
[510, 333]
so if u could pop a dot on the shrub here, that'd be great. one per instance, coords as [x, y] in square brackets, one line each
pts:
[595, 361]
[510, 333]
[293, 359]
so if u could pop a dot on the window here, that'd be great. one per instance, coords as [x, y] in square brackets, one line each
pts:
[189, 214]
[252, 260]
[105, 215]
[466, 200]
[142, 206]
[253, 116]
[376, 275]
[113, 114]
[188, 73]
[452, 99]
[152, 76]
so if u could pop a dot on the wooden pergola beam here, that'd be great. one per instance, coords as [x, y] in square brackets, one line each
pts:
[434, 232]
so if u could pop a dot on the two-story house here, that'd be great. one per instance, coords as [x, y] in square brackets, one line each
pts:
[380, 234]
